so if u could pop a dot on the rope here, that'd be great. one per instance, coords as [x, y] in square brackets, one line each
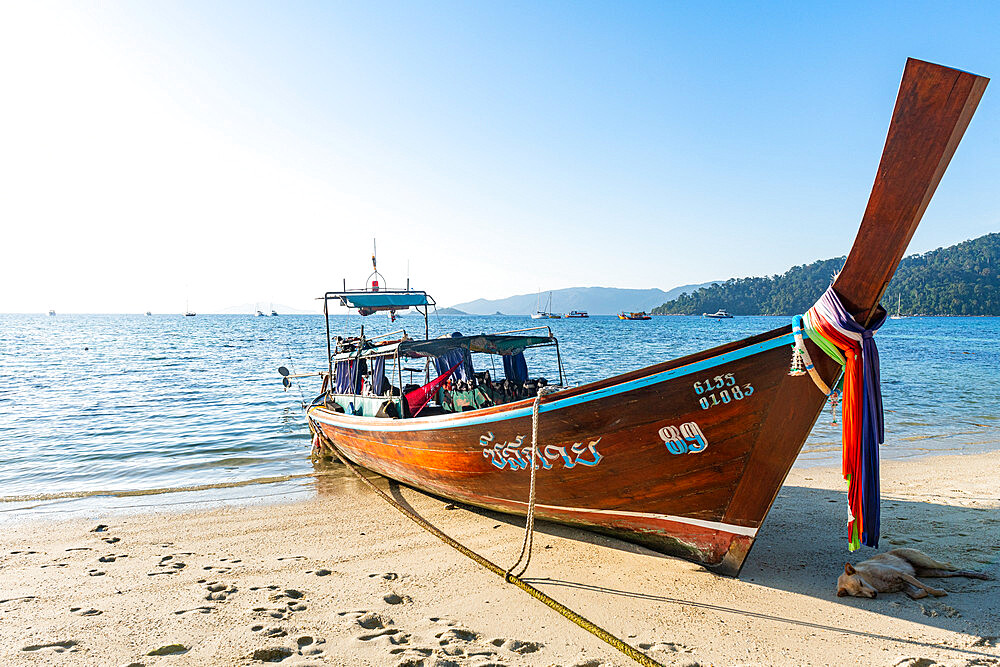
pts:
[529, 524]
[587, 625]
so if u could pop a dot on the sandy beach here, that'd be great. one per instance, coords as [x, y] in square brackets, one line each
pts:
[344, 579]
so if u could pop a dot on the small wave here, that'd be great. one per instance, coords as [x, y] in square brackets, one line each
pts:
[124, 493]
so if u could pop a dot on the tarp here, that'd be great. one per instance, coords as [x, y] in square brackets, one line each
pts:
[487, 343]
[379, 383]
[383, 300]
[348, 380]
[515, 368]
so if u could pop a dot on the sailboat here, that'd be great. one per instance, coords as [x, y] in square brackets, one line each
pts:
[898, 315]
[546, 314]
[187, 309]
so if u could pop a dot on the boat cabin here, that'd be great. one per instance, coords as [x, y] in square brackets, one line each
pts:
[396, 376]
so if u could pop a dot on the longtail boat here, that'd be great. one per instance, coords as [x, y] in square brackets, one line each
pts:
[685, 456]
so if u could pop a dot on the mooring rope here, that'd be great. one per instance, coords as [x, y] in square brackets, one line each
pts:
[587, 625]
[529, 524]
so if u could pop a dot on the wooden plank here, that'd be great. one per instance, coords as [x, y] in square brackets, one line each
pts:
[933, 109]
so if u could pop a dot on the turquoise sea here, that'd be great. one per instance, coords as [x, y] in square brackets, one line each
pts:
[95, 405]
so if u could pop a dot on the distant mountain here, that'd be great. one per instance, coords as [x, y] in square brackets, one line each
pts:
[963, 279]
[449, 311]
[594, 300]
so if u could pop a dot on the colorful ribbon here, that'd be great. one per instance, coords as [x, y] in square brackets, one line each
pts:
[837, 333]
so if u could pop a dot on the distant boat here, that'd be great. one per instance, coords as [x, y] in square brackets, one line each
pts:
[634, 316]
[187, 309]
[274, 313]
[898, 315]
[52, 313]
[546, 314]
[718, 315]
[148, 313]
[260, 313]
[577, 313]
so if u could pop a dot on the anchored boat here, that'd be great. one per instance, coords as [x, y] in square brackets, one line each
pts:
[634, 316]
[686, 456]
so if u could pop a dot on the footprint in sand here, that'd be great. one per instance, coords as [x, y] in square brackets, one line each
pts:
[368, 620]
[291, 558]
[79, 549]
[196, 610]
[23, 553]
[320, 573]
[517, 646]
[304, 646]
[170, 565]
[293, 599]
[388, 576]
[111, 558]
[26, 598]
[96, 573]
[111, 540]
[310, 645]
[264, 588]
[393, 598]
[225, 568]
[218, 591]
[80, 611]
[664, 647]
[272, 632]
[55, 565]
[58, 647]
[217, 569]
[273, 612]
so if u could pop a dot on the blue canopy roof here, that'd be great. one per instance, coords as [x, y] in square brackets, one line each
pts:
[382, 300]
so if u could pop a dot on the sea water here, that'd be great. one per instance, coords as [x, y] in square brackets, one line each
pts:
[113, 406]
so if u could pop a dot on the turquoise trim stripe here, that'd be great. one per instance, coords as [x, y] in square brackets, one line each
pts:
[433, 423]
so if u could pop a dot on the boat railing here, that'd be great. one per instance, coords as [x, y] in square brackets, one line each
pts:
[546, 328]
[386, 335]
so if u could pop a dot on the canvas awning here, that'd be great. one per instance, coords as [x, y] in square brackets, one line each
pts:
[486, 343]
[385, 300]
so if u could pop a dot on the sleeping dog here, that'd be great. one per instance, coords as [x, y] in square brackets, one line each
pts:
[897, 570]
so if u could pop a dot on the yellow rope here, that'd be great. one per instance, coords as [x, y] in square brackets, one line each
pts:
[590, 627]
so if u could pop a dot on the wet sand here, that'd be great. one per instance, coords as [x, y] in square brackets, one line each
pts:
[344, 579]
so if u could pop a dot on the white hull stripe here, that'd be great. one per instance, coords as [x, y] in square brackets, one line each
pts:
[446, 421]
[711, 525]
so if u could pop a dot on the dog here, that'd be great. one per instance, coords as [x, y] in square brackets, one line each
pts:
[895, 571]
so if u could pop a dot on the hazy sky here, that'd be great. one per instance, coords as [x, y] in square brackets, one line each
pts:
[238, 152]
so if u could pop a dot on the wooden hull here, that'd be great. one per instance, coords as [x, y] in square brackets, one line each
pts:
[607, 449]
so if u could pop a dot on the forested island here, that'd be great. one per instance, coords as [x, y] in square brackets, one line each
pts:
[963, 279]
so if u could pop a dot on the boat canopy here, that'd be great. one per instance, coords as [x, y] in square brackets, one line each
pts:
[501, 344]
[382, 300]
[486, 343]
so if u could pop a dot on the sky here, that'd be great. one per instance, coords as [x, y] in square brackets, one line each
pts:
[155, 154]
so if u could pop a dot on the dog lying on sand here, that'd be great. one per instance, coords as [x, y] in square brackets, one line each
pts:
[897, 570]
